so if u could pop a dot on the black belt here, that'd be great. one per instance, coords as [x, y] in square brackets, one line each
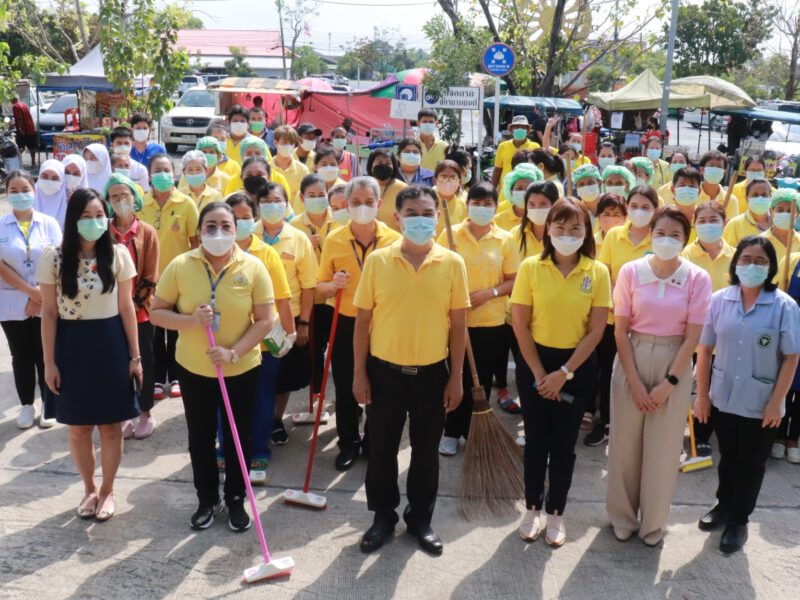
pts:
[408, 370]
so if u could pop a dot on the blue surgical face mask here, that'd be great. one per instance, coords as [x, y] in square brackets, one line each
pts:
[92, 229]
[272, 212]
[675, 167]
[21, 201]
[244, 228]
[752, 276]
[686, 195]
[782, 220]
[481, 215]
[196, 180]
[709, 232]
[315, 206]
[753, 175]
[419, 230]
[654, 153]
[759, 205]
[427, 128]
[123, 171]
[576, 146]
[412, 159]
[713, 174]
[338, 143]
[605, 161]
[518, 198]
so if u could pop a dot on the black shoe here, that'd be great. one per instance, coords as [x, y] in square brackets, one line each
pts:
[203, 517]
[598, 435]
[382, 528]
[704, 449]
[427, 539]
[733, 538]
[347, 456]
[712, 519]
[279, 435]
[238, 519]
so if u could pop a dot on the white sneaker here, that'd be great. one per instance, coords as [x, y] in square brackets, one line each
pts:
[26, 416]
[448, 446]
[46, 423]
[778, 450]
[793, 455]
[556, 531]
[532, 525]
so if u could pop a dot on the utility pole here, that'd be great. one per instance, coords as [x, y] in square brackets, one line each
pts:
[673, 26]
[279, 4]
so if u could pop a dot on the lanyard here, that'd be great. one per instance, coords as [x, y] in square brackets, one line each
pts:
[366, 251]
[27, 239]
[214, 285]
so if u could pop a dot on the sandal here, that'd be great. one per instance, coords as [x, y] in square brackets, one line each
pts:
[88, 506]
[105, 509]
[510, 406]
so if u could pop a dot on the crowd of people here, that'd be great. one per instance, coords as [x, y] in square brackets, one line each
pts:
[606, 280]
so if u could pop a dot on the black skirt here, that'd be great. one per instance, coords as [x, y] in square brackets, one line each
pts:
[92, 356]
[294, 372]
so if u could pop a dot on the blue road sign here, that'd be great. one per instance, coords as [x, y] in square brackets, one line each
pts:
[405, 92]
[498, 59]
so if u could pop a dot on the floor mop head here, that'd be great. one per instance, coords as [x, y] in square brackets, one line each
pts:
[305, 499]
[696, 464]
[307, 418]
[277, 567]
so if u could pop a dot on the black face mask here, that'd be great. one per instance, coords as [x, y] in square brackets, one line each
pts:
[382, 172]
[253, 183]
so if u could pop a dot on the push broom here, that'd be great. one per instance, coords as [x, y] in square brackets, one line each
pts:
[305, 497]
[491, 474]
[308, 418]
[694, 462]
[270, 568]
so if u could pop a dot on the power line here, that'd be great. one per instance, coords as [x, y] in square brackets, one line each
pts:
[373, 5]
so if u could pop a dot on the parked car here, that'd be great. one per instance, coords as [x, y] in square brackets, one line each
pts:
[190, 82]
[189, 120]
[213, 77]
[51, 118]
[333, 78]
[699, 117]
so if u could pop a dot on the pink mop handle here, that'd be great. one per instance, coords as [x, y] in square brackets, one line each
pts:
[235, 434]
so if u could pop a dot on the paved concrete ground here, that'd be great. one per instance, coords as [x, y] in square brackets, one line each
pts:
[148, 550]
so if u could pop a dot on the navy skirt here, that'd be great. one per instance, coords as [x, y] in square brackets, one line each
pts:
[92, 356]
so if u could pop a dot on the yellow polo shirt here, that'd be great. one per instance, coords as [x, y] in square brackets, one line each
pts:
[532, 245]
[488, 260]
[780, 249]
[456, 208]
[233, 150]
[411, 309]
[507, 219]
[502, 159]
[561, 305]
[661, 174]
[618, 248]
[304, 224]
[231, 167]
[433, 156]
[207, 196]
[387, 208]
[341, 252]
[217, 180]
[299, 262]
[293, 174]
[793, 260]
[175, 223]
[235, 184]
[740, 193]
[718, 268]
[308, 161]
[184, 284]
[740, 227]
[277, 274]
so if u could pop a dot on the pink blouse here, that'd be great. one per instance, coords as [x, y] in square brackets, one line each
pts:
[662, 307]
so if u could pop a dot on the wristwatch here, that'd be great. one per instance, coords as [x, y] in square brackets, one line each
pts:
[495, 293]
[570, 375]
[672, 379]
[234, 357]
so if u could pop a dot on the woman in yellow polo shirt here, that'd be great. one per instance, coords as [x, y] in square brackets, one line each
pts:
[755, 168]
[219, 131]
[215, 176]
[618, 180]
[193, 179]
[782, 226]
[559, 307]
[286, 141]
[606, 156]
[642, 169]
[254, 152]
[514, 186]
[326, 165]
[218, 285]
[450, 193]
[383, 165]
[491, 266]
[677, 161]
[756, 219]
[587, 181]
[551, 166]
[611, 212]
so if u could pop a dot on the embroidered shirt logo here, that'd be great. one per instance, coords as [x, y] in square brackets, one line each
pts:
[586, 285]
[764, 341]
[240, 279]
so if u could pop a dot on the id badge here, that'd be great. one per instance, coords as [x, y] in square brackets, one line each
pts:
[28, 264]
[215, 321]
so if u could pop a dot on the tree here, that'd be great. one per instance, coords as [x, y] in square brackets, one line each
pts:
[787, 21]
[762, 77]
[374, 58]
[138, 40]
[720, 35]
[238, 66]
[295, 19]
[306, 61]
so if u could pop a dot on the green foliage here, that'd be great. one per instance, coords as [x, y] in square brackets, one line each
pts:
[238, 66]
[138, 46]
[8, 75]
[720, 35]
[305, 62]
[378, 57]
[762, 78]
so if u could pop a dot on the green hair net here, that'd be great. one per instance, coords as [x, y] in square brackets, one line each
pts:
[116, 179]
[521, 171]
[644, 163]
[252, 140]
[207, 141]
[585, 172]
[630, 179]
[782, 195]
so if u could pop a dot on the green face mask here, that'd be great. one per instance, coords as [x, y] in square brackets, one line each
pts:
[211, 160]
[162, 182]
[92, 229]
[257, 126]
[519, 134]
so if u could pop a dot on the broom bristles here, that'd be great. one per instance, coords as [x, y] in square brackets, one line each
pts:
[492, 481]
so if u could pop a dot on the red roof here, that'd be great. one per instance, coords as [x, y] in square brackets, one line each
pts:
[217, 42]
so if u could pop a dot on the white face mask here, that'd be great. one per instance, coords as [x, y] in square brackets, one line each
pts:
[73, 181]
[218, 244]
[124, 150]
[640, 217]
[49, 187]
[567, 245]
[123, 209]
[93, 166]
[141, 135]
[309, 145]
[363, 214]
[666, 248]
[589, 193]
[619, 190]
[328, 172]
[238, 128]
[286, 149]
[538, 215]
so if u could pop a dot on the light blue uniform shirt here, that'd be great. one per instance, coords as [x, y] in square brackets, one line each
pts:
[750, 347]
[23, 257]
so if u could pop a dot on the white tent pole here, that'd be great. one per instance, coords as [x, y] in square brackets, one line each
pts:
[673, 26]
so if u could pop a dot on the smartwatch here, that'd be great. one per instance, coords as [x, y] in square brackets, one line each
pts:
[672, 379]
[570, 375]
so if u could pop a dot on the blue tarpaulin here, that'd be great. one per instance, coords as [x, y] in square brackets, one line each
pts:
[528, 103]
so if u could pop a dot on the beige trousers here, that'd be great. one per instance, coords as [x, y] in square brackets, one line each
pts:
[644, 448]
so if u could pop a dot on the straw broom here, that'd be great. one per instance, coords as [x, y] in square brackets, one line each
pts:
[492, 472]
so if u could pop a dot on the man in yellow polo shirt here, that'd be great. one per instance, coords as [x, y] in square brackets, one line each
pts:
[344, 253]
[433, 149]
[239, 121]
[412, 304]
[174, 216]
[520, 128]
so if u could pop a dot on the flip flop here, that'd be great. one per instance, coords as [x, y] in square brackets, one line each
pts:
[510, 406]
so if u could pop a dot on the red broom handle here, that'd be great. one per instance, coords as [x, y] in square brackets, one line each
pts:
[321, 395]
[311, 325]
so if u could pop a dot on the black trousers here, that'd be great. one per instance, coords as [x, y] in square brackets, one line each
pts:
[790, 425]
[485, 344]
[201, 399]
[551, 430]
[321, 324]
[606, 351]
[164, 342]
[148, 364]
[27, 362]
[506, 343]
[347, 409]
[395, 396]
[744, 446]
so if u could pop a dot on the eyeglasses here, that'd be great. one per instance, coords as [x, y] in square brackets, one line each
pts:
[211, 228]
[120, 197]
[745, 261]
[448, 179]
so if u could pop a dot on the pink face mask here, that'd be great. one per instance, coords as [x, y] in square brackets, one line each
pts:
[448, 188]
